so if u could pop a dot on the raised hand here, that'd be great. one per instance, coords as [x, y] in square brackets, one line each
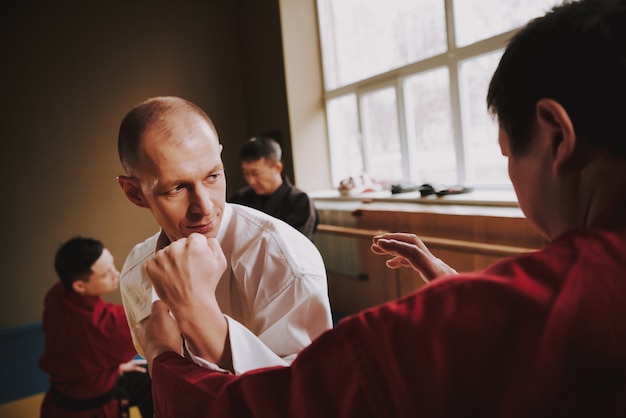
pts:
[187, 271]
[407, 250]
[185, 275]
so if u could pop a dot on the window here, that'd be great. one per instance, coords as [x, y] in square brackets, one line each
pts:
[405, 86]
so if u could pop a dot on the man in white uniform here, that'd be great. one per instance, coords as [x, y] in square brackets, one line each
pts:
[273, 292]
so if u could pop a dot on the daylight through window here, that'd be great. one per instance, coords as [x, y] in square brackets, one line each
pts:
[405, 86]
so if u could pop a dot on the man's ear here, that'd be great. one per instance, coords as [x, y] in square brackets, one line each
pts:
[555, 124]
[131, 188]
[279, 167]
[79, 287]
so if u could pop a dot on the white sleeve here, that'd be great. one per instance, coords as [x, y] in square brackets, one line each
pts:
[248, 352]
[136, 300]
[292, 319]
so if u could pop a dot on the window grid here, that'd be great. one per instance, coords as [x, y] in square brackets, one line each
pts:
[450, 59]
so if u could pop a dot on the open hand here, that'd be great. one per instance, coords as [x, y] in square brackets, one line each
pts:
[407, 250]
[135, 365]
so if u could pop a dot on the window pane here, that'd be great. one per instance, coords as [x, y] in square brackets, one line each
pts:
[429, 127]
[381, 134]
[485, 164]
[476, 20]
[362, 38]
[343, 133]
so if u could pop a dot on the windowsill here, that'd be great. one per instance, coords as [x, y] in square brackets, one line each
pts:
[491, 203]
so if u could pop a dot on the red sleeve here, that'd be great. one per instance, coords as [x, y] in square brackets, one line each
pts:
[410, 357]
[316, 384]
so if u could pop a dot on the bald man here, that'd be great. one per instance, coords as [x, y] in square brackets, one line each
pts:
[270, 299]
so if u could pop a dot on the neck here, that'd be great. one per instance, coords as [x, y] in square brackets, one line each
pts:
[585, 197]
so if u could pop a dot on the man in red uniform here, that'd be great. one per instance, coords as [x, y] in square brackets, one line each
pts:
[88, 350]
[539, 335]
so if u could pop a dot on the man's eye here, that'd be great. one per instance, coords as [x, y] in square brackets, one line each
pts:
[175, 190]
[212, 178]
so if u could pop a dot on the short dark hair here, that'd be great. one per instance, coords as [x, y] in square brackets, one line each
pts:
[74, 259]
[153, 112]
[575, 55]
[259, 147]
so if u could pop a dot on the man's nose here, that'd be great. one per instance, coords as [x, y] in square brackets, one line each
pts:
[201, 201]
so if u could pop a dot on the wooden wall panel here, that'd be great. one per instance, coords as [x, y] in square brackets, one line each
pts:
[467, 242]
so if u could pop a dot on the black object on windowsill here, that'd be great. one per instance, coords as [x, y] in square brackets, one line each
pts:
[427, 189]
[404, 188]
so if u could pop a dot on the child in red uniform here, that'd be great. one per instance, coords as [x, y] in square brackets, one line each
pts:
[89, 353]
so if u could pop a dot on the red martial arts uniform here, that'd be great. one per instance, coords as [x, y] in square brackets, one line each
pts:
[86, 340]
[539, 335]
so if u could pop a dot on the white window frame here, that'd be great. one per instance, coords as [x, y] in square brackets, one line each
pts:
[452, 58]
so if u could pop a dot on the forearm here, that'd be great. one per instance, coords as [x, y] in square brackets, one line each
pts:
[184, 388]
[205, 330]
[184, 276]
[324, 385]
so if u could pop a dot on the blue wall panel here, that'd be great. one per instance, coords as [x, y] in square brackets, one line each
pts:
[20, 349]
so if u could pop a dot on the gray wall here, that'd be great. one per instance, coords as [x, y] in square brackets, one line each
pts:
[70, 71]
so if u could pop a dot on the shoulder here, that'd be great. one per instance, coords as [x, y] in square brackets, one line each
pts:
[259, 221]
[54, 294]
[248, 215]
[293, 200]
[132, 270]
[294, 192]
[116, 310]
[300, 199]
[141, 252]
[252, 230]
[255, 223]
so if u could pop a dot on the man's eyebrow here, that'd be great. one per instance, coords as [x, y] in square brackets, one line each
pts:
[217, 167]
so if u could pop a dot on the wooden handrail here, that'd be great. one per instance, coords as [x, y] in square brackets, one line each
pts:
[445, 243]
[350, 232]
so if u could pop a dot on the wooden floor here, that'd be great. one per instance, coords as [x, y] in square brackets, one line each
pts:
[29, 408]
